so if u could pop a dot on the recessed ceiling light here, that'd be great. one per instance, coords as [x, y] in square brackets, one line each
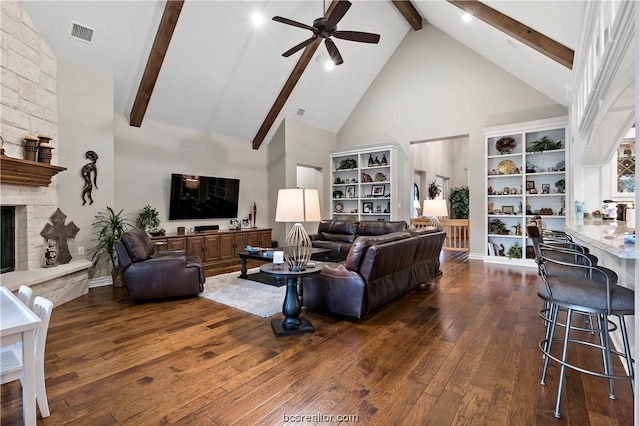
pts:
[467, 17]
[329, 65]
[257, 19]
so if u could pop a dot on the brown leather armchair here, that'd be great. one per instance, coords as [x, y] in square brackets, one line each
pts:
[150, 275]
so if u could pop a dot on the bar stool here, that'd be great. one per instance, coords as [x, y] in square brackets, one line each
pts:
[588, 290]
[550, 269]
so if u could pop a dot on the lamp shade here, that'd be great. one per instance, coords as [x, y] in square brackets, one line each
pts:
[298, 205]
[436, 208]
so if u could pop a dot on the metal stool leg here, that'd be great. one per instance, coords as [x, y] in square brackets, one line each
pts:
[556, 413]
[627, 352]
[603, 330]
[551, 327]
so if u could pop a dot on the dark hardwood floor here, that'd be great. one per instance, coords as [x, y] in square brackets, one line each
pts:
[460, 351]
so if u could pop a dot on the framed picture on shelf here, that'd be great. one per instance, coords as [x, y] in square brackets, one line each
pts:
[367, 207]
[377, 190]
[531, 184]
[351, 191]
[507, 209]
[546, 188]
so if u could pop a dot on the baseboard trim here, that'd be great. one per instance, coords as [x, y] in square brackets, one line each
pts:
[100, 282]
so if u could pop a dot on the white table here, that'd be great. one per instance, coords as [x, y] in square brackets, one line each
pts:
[18, 324]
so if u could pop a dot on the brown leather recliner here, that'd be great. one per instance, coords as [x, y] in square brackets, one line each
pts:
[150, 275]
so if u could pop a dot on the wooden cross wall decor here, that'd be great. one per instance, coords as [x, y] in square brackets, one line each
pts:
[60, 232]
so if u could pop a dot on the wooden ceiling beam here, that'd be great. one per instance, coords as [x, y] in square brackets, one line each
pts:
[156, 57]
[527, 35]
[409, 12]
[289, 85]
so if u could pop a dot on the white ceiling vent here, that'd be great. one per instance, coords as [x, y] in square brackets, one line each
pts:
[300, 112]
[81, 32]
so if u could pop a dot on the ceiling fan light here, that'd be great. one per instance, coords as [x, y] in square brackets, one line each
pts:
[329, 65]
[467, 17]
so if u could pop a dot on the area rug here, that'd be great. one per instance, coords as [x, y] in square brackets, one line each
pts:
[249, 296]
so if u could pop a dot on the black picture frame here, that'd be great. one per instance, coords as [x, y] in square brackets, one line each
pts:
[367, 207]
[546, 188]
[531, 184]
[377, 190]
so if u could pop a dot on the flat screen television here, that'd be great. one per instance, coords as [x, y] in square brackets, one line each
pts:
[203, 197]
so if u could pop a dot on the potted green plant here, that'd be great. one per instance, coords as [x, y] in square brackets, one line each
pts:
[107, 227]
[459, 199]
[148, 219]
[434, 190]
[515, 251]
[497, 227]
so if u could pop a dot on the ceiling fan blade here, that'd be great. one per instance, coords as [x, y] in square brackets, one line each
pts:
[293, 23]
[338, 13]
[333, 51]
[297, 47]
[357, 36]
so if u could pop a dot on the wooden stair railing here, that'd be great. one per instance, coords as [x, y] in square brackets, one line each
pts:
[457, 232]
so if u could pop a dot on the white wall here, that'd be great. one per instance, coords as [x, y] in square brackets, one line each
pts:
[145, 157]
[434, 87]
[85, 111]
[428, 157]
[276, 169]
[309, 146]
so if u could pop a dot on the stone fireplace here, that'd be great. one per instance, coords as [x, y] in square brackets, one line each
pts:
[30, 106]
[33, 208]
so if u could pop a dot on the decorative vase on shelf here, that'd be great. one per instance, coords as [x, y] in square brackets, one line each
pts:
[31, 148]
[384, 160]
[376, 162]
[370, 160]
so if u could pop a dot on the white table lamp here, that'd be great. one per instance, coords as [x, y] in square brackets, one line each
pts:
[297, 205]
[435, 209]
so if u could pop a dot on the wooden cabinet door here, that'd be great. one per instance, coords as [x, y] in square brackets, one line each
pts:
[195, 245]
[265, 238]
[227, 249]
[177, 244]
[211, 248]
[161, 243]
[240, 243]
[253, 239]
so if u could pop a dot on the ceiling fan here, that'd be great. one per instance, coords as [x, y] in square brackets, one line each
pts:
[325, 27]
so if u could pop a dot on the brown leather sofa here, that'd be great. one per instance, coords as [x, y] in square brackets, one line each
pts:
[339, 235]
[150, 275]
[378, 270]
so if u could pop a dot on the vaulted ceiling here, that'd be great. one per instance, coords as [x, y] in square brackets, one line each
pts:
[223, 74]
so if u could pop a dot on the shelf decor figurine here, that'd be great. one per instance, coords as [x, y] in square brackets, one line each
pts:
[88, 170]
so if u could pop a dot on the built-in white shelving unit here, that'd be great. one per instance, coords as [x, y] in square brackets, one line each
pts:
[526, 175]
[364, 183]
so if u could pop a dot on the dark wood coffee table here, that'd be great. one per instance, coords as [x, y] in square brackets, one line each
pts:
[267, 256]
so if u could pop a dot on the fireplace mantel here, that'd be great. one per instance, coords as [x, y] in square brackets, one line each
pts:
[24, 172]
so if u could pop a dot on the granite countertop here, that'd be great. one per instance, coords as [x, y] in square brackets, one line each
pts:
[607, 235]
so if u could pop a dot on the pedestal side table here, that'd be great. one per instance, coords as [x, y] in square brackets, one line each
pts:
[292, 323]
